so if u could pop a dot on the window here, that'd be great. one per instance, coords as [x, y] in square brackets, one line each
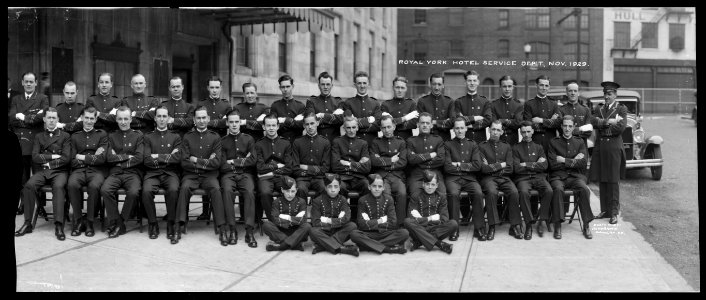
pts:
[570, 22]
[420, 16]
[312, 55]
[335, 56]
[241, 51]
[570, 52]
[283, 53]
[540, 51]
[503, 19]
[649, 35]
[456, 48]
[621, 35]
[676, 36]
[455, 16]
[537, 18]
[503, 48]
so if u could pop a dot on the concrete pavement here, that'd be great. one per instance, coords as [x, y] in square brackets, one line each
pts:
[617, 259]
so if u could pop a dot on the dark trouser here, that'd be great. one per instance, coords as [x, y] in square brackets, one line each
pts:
[477, 135]
[93, 181]
[428, 235]
[414, 181]
[304, 183]
[292, 236]
[151, 186]
[190, 182]
[395, 188]
[454, 186]
[131, 183]
[377, 241]
[26, 172]
[333, 239]
[244, 183]
[545, 197]
[58, 190]
[610, 197]
[581, 195]
[266, 186]
[491, 185]
[358, 185]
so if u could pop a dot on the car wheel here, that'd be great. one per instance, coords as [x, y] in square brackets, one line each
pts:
[656, 171]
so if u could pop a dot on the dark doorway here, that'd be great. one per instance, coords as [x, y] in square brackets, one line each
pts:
[185, 75]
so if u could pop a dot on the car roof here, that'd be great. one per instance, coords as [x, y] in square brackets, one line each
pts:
[621, 93]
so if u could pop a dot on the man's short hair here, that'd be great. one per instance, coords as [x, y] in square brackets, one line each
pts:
[360, 74]
[399, 78]
[138, 74]
[50, 109]
[471, 72]
[568, 118]
[70, 83]
[436, 75]
[232, 112]
[89, 109]
[199, 108]
[498, 122]
[505, 78]
[385, 118]
[249, 84]
[459, 119]
[28, 73]
[161, 107]
[271, 116]
[326, 75]
[425, 114]
[541, 77]
[525, 124]
[214, 78]
[285, 77]
[124, 108]
[106, 74]
[349, 118]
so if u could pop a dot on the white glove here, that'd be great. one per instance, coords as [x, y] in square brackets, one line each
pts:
[435, 217]
[280, 120]
[301, 214]
[587, 127]
[152, 109]
[60, 125]
[477, 118]
[299, 118]
[411, 115]
[416, 214]
[383, 219]
[133, 113]
[618, 118]
[365, 216]
[20, 116]
[242, 122]
[343, 213]
[386, 114]
[325, 220]
[80, 119]
[113, 111]
[338, 111]
[371, 119]
[261, 118]
[285, 217]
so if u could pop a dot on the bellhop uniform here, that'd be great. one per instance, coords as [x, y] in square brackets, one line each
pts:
[543, 108]
[398, 108]
[423, 230]
[104, 104]
[182, 112]
[440, 107]
[289, 109]
[469, 106]
[582, 116]
[90, 172]
[374, 236]
[206, 147]
[330, 124]
[46, 144]
[269, 152]
[608, 157]
[291, 232]
[216, 109]
[68, 114]
[419, 159]
[392, 173]
[239, 176]
[28, 128]
[315, 153]
[162, 171]
[463, 178]
[509, 112]
[125, 171]
[532, 176]
[497, 178]
[362, 107]
[353, 176]
[569, 175]
[141, 105]
[330, 236]
[250, 112]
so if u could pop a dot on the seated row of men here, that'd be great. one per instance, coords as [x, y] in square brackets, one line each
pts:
[221, 165]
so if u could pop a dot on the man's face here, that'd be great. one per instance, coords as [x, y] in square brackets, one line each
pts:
[333, 188]
[310, 124]
[89, 120]
[29, 83]
[543, 87]
[123, 118]
[472, 83]
[400, 89]
[424, 124]
[271, 127]
[437, 85]
[460, 129]
[105, 84]
[430, 187]
[290, 192]
[201, 119]
[506, 87]
[572, 92]
[50, 119]
[250, 94]
[496, 130]
[286, 88]
[376, 187]
[325, 86]
[351, 128]
[361, 85]
[234, 124]
[161, 117]
[610, 96]
[214, 89]
[138, 84]
[69, 94]
[567, 127]
[176, 88]
[526, 132]
[387, 127]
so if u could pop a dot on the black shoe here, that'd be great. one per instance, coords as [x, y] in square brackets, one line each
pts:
[75, 231]
[203, 217]
[415, 245]
[250, 239]
[601, 215]
[177, 236]
[274, 247]
[557, 230]
[170, 231]
[480, 234]
[540, 230]
[117, 231]
[446, 247]
[491, 233]
[20, 210]
[89, 229]
[165, 218]
[350, 250]
[516, 231]
[26, 228]
[528, 232]
[396, 249]
[587, 232]
[223, 237]
[59, 232]
[454, 236]
[613, 219]
[233, 236]
[317, 249]
[154, 231]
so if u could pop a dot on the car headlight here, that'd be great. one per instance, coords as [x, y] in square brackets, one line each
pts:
[639, 134]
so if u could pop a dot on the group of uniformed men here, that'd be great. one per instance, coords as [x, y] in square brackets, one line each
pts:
[142, 145]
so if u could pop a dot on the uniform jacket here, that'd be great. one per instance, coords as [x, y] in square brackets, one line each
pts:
[217, 109]
[419, 149]
[32, 124]
[291, 208]
[289, 109]
[241, 149]
[544, 108]
[327, 105]
[68, 114]
[608, 157]
[376, 208]
[162, 143]
[427, 205]
[206, 147]
[126, 143]
[47, 144]
[141, 105]
[398, 108]
[325, 206]
[353, 150]
[528, 153]
[466, 152]
[567, 148]
[315, 152]
[363, 107]
[270, 152]
[509, 111]
[182, 112]
[495, 153]
[250, 112]
[468, 106]
[382, 150]
[582, 116]
[104, 104]
[87, 143]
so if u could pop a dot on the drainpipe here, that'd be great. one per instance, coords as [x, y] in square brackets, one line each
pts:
[230, 57]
